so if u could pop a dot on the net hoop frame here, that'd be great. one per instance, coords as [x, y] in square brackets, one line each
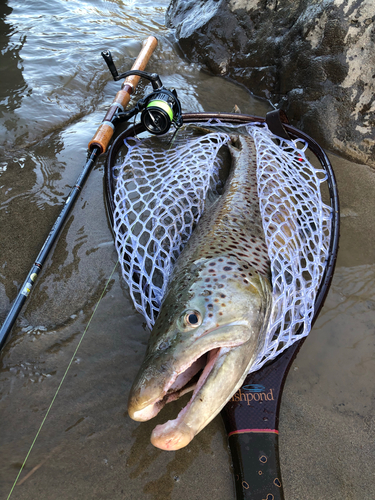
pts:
[295, 134]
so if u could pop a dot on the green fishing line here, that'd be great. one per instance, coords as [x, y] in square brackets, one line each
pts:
[62, 381]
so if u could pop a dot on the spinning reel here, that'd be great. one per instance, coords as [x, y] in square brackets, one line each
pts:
[159, 110]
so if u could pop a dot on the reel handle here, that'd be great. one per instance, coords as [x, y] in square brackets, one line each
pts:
[106, 129]
[153, 77]
[107, 56]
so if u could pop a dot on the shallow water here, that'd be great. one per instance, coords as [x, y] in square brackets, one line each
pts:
[54, 91]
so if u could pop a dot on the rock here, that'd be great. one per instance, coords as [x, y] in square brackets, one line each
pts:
[313, 58]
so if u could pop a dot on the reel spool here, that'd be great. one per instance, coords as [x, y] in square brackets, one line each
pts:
[162, 110]
[159, 110]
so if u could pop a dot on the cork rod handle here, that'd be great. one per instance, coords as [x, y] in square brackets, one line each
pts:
[105, 131]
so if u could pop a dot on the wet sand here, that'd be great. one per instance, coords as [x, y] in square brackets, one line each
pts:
[89, 448]
[327, 425]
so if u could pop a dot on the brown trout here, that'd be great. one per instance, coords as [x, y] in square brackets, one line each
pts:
[214, 314]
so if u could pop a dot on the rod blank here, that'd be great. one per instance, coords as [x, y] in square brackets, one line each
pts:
[96, 148]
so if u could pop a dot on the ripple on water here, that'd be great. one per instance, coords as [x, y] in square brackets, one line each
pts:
[57, 45]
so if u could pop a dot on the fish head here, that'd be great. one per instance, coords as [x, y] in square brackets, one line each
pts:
[212, 308]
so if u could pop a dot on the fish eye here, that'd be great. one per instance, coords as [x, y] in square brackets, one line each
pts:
[193, 319]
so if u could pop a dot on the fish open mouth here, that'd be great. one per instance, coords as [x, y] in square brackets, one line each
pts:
[203, 373]
[190, 378]
[193, 377]
[176, 434]
[193, 374]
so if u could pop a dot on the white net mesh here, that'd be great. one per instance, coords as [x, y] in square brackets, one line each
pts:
[159, 197]
[297, 228]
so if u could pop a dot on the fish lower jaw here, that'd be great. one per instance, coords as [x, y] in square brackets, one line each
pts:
[172, 435]
[176, 434]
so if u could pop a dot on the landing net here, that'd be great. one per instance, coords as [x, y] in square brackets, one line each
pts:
[160, 195]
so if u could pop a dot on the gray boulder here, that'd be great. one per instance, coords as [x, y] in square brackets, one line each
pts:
[313, 58]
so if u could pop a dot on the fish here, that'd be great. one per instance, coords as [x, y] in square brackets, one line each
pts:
[215, 311]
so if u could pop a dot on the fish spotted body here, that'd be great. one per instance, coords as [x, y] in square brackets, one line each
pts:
[214, 314]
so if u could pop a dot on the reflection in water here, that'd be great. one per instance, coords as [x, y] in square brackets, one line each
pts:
[59, 45]
[12, 87]
[32, 191]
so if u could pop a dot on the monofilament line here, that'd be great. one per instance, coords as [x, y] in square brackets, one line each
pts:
[62, 381]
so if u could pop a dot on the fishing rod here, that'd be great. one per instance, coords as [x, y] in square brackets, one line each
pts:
[158, 113]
